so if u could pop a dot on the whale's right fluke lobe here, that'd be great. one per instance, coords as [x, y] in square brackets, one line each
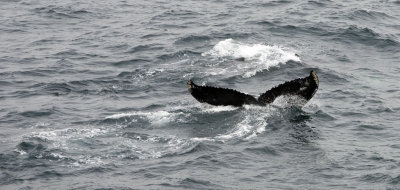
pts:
[302, 87]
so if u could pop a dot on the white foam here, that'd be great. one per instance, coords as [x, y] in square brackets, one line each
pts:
[312, 106]
[69, 133]
[19, 151]
[156, 147]
[214, 109]
[240, 130]
[59, 156]
[289, 100]
[40, 125]
[87, 160]
[253, 124]
[246, 129]
[156, 117]
[148, 73]
[59, 138]
[259, 129]
[119, 115]
[151, 72]
[201, 139]
[257, 57]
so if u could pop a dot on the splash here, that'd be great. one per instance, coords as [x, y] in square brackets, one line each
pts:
[215, 109]
[248, 128]
[257, 57]
[250, 125]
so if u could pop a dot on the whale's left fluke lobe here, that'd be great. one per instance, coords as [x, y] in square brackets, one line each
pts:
[219, 96]
[304, 88]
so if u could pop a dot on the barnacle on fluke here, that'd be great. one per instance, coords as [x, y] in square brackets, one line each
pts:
[304, 88]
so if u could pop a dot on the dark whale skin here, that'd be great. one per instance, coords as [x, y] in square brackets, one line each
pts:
[301, 87]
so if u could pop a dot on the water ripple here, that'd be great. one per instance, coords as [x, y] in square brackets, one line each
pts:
[94, 95]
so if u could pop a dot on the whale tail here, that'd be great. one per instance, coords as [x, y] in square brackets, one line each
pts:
[302, 87]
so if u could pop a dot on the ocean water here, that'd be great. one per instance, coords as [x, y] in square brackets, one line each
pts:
[93, 94]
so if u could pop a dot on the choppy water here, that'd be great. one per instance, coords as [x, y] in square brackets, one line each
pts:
[93, 94]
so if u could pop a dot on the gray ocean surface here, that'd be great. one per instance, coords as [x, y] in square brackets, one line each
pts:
[93, 94]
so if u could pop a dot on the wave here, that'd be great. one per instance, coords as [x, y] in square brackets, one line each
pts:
[381, 177]
[193, 39]
[130, 62]
[60, 12]
[144, 48]
[141, 73]
[83, 87]
[177, 55]
[318, 3]
[38, 113]
[265, 150]
[351, 33]
[176, 14]
[365, 36]
[274, 3]
[368, 14]
[189, 183]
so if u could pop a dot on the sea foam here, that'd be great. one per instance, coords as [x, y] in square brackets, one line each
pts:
[257, 57]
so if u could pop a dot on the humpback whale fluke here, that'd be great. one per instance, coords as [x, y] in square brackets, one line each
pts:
[301, 87]
[219, 96]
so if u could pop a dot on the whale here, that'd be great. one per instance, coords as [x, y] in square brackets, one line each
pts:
[301, 88]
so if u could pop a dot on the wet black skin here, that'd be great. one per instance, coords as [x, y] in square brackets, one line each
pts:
[301, 87]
